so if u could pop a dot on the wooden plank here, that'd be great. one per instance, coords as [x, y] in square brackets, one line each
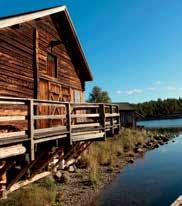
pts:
[50, 134]
[31, 129]
[51, 129]
[41, 117]
[10, 103]
[69, 122]
[88, 137]
[86, 125]
[12, 134]
[112, 115]
[12, 118]
[11, 151]
[49, 104]
[84, 115]
[26, 182]
[87, 132]
[85, 106]
[103, 119]
[50, 138]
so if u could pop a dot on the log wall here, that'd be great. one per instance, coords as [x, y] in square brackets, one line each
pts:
[18, 56]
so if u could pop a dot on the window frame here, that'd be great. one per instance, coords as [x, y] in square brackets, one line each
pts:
[56, 65]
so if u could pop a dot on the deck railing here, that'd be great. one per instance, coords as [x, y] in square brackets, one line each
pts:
[39, 121]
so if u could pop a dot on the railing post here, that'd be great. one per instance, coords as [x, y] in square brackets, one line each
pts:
[69, 122]
[119, 119]
[112, 121]
[31, 129]
[102, 119]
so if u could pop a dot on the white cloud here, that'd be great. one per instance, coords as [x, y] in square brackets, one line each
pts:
[134, 91]
[158, 83]
[171, 88]
[119, 92]
[152, 88]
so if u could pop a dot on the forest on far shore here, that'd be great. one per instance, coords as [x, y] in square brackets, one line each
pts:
[160, 108]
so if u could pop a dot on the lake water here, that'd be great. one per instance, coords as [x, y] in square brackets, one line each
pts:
[154, 180]
[166, 123]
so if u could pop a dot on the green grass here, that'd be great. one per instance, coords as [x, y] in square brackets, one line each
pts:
[42, 193]
[106, 153]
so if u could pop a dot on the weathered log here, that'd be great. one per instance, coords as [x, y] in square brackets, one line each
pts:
[12, 151]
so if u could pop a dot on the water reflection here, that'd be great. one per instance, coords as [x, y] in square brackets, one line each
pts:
[154, 181]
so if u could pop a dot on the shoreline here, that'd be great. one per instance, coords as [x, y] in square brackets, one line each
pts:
[80, 193]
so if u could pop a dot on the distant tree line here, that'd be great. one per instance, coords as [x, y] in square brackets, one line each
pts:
[160, 107]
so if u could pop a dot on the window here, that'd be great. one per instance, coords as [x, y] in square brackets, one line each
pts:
[51, 65]
[77, 96]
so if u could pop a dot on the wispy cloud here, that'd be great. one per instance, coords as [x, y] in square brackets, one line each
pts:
[119, 92]
[134, 91]
[152, 88]
[158, 82]
[171, 88]
[129, 92]
[155, 87]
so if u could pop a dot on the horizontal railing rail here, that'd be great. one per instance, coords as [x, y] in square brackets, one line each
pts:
[39, 121]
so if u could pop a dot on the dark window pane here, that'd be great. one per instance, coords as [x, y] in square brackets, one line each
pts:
[51, 65]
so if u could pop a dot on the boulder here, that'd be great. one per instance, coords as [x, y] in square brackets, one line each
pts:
[72, 168]
[58, 176]
[139, 150]
[65, 178]
[131, 161]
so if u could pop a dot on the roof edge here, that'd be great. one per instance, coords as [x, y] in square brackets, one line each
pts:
[21, 18]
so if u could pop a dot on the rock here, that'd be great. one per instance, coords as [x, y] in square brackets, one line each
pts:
[156, 146]
[62, 177]
[65, 178]
[161, 142]
[144, 146]
[126, 149]
[58, 176]
[150, 144]
[139, 150]
[72, 168]
[131, 154]
[131, 161]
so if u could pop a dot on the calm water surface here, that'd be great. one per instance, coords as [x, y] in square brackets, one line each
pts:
[154, 180]
[166, 123]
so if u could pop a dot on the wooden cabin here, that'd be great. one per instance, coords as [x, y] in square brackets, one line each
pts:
[128, 115]
[43, 71]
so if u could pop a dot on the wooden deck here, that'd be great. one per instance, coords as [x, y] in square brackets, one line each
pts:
[59, 120]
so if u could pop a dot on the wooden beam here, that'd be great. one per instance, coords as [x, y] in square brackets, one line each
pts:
[69, 127]
[12, 134]
[12, 118]
[26, 182]
[84, 115]
[41, 117]
[112, 115]
[51, 129]
[103, 119]
[85, 125]
[31, 129]
[88, 136]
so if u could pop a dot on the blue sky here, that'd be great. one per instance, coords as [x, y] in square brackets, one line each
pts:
[134, 47]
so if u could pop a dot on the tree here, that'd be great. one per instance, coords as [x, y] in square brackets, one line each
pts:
[99, 96]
